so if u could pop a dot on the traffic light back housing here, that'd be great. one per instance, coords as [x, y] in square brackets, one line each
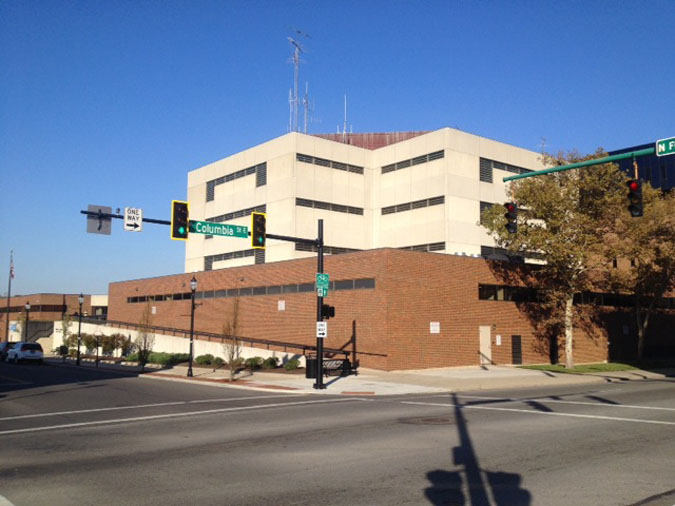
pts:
[327, 311]
[258, 233]
[511, 216]
[635, 206]
[180, 219]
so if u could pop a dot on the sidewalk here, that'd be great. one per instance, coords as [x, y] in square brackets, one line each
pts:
[373, 382]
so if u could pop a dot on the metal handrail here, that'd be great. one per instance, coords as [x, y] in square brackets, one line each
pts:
[221, 337]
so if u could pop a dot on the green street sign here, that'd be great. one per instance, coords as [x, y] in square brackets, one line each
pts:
[209, 228]
[322, 284]
[665, 147]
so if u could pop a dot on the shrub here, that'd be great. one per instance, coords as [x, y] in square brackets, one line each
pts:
[205, 359]
[217, 361]
[108, 344]
[132, 357]
[124, 344]
[270, 363]
[253, 362]
[292, 364]
[167, 359]
[89, 342]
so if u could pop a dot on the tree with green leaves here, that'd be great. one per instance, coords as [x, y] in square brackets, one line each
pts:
[644, 250]
[563, 218]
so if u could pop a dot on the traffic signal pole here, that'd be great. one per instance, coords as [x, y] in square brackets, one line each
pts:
[319, 316]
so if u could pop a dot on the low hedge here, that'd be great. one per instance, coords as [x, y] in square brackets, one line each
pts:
[161, 358]
[209, 359]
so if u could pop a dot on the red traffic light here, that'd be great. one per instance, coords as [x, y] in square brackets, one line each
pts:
[636, 207]
[511, 216]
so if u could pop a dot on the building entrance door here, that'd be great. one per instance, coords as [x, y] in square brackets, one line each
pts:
[485, 345]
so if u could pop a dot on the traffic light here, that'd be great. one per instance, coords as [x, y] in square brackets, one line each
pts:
[180, 219]
[327, 311]
[258, 222]
[511, 216]
[635, 197]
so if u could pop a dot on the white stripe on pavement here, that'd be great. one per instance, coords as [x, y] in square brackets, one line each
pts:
[140, 406]
[581, 403]
[172, 415]
[535, 412]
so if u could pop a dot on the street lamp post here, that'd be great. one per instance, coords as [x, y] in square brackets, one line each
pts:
[193, 288]
[27, 320]
[80, 299]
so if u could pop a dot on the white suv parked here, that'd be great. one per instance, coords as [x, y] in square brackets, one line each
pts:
[25, 351]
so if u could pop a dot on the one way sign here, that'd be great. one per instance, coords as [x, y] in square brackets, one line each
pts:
[133, 219]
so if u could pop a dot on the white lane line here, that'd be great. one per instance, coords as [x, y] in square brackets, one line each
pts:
[140, 406]
[581, 403]
[5, 502]
[536, 412]
[172, 415]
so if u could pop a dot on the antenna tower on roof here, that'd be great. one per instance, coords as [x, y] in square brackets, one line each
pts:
[293, 99]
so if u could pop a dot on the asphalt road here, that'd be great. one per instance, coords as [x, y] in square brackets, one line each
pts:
[82, 436]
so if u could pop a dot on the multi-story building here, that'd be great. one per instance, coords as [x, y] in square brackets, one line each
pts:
[413, 190]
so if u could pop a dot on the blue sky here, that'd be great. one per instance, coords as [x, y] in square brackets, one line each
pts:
[113, 102]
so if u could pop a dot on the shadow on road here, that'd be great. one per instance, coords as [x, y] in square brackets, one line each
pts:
[29, 377]
[471, 485]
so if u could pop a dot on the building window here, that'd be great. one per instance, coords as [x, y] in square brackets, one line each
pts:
[483, 207]
[329, 163]
[339, 208]
[418, 204]
[418, 160]
[434, 246]
[261, 175]
[328, 250]
[261, 178]
[486, 166]
[345, 284]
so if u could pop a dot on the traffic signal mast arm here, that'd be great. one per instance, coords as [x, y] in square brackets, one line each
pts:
[587, 163]
[121, 217]
[299, 240]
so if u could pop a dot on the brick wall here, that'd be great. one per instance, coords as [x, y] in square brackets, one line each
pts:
[42, 305]
[391, 323]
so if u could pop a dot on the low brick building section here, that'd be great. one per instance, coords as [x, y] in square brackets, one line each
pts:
[403, 310]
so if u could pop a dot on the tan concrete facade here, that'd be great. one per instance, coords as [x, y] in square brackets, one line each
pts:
[429, 199]
[406, 310]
